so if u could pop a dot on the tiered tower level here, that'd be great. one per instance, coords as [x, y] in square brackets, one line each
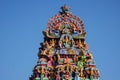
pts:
[64, 54]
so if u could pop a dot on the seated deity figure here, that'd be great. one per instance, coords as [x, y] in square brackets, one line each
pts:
[66, 41]
[67, 76]
[70, 51]
[67, 60]
[66, 29]
[63, 51]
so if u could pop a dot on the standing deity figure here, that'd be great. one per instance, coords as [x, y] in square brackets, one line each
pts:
[38, 72]
[80, 44]
[75, 59]
[42, 73]
[52, 43]
[76, 75]
[91, 74]
[57, 76]
[80, 66]
[50, 62]
[60, 44]
[46, 73]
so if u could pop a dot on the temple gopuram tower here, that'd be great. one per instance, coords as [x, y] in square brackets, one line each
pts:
[64, 53]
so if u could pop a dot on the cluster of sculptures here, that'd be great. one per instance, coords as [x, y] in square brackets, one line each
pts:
[64, 54]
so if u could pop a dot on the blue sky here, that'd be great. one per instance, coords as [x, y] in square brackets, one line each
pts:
[22, 23]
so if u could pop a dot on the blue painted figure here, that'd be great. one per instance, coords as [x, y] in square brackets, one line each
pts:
[76, 75]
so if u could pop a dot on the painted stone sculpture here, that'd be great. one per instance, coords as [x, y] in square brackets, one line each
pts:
[64, 54]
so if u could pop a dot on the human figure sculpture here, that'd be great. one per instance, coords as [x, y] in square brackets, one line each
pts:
[46, 44]
[38, 72]
[58, 56]
[42, 73]
[57, 76]
[76, 44]
[60, 44]
[52, 76]
[76, 75]
[91, 73]
[67, 76]
[89, 57]
[75, 59]
[62, 72]
[52, 43]
[67, 60]
[50, 62]
[80, 44]
[46, 73]
[70, 51]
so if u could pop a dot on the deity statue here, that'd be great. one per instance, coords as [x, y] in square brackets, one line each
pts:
[75, 59]
[52, 75]
[91, 73]
[60, 44]
[89, 57]
[67, 76]
[46, 73]
[80, 44]
[57, 76]
[42, 73]
[67, 60]
[52, 43]
[38, 72]
[46, 44]
[50, 62]
[76, 75]
[70, 51]
[76, 44]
